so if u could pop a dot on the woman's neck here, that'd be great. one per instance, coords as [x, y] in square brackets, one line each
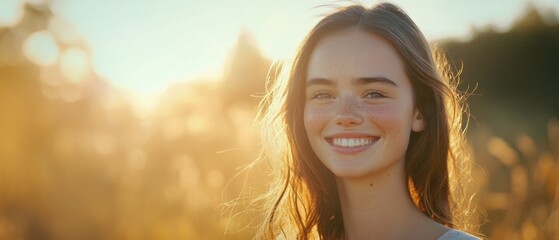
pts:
[380, 206]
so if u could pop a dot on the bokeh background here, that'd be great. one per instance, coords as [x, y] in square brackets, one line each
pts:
[94, 149]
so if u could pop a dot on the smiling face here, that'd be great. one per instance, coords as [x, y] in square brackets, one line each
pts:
[359, 110]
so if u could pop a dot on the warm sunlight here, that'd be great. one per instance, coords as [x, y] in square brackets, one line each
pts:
[135, 119]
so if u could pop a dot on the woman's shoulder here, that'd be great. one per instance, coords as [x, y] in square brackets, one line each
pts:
[454, 234]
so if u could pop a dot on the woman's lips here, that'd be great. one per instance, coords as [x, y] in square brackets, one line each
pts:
[350, 143]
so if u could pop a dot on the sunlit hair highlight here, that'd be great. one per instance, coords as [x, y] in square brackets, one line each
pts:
[303, 201]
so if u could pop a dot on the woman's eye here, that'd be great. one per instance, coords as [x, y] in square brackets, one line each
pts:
[374, 94]
[322, 95]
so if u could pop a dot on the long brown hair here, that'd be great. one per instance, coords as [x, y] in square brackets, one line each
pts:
[303, 200]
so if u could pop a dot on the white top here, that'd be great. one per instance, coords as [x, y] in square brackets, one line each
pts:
[451, 234]
[454, 234]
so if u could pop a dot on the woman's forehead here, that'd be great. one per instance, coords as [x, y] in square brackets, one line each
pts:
[354, 53]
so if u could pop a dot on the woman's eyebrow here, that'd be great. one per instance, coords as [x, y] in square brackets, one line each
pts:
[367, 80]
[357, 81]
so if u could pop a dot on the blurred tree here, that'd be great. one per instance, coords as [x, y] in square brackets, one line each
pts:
[515, 75]
[20, 103]
[245, 72]
[55, 140]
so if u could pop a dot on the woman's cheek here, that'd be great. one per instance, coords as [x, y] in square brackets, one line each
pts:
[392, 119]
[316, 116]
[384, 116]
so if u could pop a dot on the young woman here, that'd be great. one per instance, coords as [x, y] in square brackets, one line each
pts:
[364, 134]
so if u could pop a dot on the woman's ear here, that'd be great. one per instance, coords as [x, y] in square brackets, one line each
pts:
[418, 123]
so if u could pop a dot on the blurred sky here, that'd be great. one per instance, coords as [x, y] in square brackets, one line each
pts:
[144, 45]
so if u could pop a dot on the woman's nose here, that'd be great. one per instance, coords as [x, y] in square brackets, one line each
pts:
[348, 114]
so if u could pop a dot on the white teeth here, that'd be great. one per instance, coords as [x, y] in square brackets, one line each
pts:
[351, 142]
